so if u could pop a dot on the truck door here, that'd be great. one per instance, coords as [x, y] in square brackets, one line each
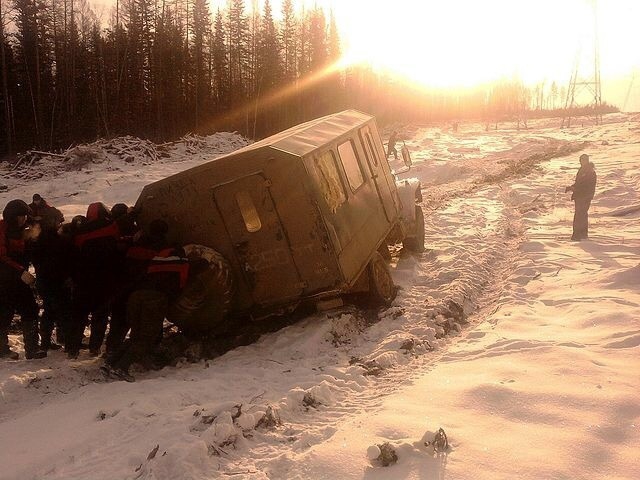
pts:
[379, 175]
[259, 240]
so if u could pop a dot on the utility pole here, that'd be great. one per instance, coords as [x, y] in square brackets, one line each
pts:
[591, 84]
[626, 98]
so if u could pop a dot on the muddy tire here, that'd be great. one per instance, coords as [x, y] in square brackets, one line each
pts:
[382, 290]
[203, 305]
[415, 242]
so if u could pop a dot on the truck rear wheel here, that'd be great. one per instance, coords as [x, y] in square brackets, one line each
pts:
[382, 290]
[415, 242]
[203, 305]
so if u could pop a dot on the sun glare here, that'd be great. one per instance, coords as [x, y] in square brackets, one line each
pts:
[459, 43]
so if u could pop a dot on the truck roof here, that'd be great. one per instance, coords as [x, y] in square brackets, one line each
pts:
[306, 137]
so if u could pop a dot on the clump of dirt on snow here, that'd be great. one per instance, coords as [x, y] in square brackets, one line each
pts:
[270, 419]
[346, 328]
[387, 455]
[313, 398]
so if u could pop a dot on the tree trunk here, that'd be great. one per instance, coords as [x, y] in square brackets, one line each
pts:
[5, 88]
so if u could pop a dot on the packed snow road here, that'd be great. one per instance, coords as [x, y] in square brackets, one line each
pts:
[307, 401]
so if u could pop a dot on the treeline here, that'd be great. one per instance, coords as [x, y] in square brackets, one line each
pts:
[159, 69]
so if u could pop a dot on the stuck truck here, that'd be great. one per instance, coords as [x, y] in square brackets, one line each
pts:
[304, 216]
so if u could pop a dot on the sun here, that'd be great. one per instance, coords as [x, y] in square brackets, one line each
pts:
[460, 43]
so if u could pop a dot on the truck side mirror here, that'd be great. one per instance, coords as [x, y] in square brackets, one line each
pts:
[406, 156]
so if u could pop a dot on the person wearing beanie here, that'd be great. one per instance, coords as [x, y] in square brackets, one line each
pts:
[95, 275]
[583, 189]
[16, 294]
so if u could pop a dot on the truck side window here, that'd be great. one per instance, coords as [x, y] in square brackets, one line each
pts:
[351, 164]
[329, 179]
[248, 211]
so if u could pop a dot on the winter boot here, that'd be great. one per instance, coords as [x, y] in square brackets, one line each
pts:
[9, 354]
[121, 374]
[72, 354]
[105, 370]
[47, 344]
[35, 354]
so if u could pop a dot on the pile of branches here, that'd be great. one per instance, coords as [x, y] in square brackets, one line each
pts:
[193, 143]
[34, 164]
[131, 148]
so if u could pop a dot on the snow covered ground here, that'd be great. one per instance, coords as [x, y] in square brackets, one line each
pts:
[539, 380]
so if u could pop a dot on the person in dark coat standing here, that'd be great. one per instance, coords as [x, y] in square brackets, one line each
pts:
[52, 257]
[95, 275]
[16, 282]
[391, 145]
[583, 189]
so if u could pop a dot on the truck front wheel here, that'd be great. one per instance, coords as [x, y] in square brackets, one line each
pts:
[382, 290]
[415, 241]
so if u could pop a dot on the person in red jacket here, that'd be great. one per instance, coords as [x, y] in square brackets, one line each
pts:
[166, 276]
[149, 244]
[95, 275]
[16, 281]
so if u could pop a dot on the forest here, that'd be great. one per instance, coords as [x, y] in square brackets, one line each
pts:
[158, 69]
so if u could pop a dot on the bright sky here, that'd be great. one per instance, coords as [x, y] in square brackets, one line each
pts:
[462, 42]
[452, 43]
[458, 43]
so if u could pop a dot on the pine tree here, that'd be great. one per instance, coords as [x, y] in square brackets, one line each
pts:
[288, 32]
[238, 34]
[317, 40]
[220, 64]
[35, 62]
[5, 49]
[200, 56]
[268, 66]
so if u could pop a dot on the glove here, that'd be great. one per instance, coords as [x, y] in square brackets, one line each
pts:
[27, 278]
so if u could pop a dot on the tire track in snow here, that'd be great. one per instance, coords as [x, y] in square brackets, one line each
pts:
[473, 243]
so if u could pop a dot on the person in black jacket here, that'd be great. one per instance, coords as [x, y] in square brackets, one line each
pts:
[95, 276]
[41, 209]
[583, 190]
[52, 257]
[391, 145]
[16, 282]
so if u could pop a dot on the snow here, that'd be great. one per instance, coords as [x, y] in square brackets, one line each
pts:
[520, 344]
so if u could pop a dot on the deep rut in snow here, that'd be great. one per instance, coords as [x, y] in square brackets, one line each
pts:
[472, 243]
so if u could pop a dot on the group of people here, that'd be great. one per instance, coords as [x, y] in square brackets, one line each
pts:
[100, 270]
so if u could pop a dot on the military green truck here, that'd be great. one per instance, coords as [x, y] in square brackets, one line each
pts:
[304, 216]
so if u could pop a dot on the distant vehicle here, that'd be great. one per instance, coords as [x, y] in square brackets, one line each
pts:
[302, 216]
